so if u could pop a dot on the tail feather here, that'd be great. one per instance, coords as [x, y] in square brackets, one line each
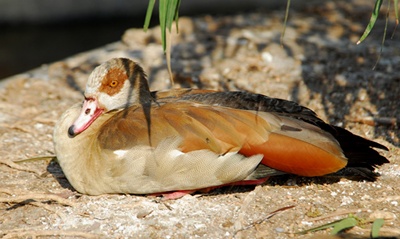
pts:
[359, 151]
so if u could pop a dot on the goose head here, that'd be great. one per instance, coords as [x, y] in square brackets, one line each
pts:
[113, 85]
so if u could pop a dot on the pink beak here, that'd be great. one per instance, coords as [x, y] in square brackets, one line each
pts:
[90, 112]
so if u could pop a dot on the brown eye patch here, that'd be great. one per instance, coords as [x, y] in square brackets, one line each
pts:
[113, 81]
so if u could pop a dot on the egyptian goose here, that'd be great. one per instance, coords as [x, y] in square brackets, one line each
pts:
[126, 139]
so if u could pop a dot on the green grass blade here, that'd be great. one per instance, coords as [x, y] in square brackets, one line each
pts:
[383, 38]
[163, 20]
[149, 13]
[372, 21]
[177, 15]
[318, 228]
[171, 12]
[376, 227]
[168, 13]
[344, 224]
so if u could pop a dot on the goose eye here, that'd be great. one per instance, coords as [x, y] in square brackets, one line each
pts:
[114, 83]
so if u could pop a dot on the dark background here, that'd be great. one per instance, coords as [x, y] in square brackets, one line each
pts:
[26, 46]
[36, 32]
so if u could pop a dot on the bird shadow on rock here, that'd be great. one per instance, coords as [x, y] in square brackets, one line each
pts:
[288, 180]
[54, 169]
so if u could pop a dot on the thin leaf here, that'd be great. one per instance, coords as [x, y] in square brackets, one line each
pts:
[384, 36]
[172, 8]
[39, 158]
[171, 11]
[376, 227]
[149, 13]
[344, 224]
[168, 12]
[285, 21]
[268, 216]
[178, 4]
[168, 57]
[372, 21]
[163, 20]
[322, 227]
[396, 13]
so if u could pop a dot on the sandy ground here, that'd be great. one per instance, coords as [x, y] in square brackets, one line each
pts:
[319, 66]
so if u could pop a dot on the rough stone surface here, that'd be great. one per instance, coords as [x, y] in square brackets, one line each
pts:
[319, 66]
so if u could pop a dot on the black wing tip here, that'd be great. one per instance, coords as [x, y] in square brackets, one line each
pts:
[371, 144]
[367, 158]
[359, 151]
[378, 145]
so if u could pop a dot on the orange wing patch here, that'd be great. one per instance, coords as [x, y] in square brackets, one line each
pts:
[295, 156]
